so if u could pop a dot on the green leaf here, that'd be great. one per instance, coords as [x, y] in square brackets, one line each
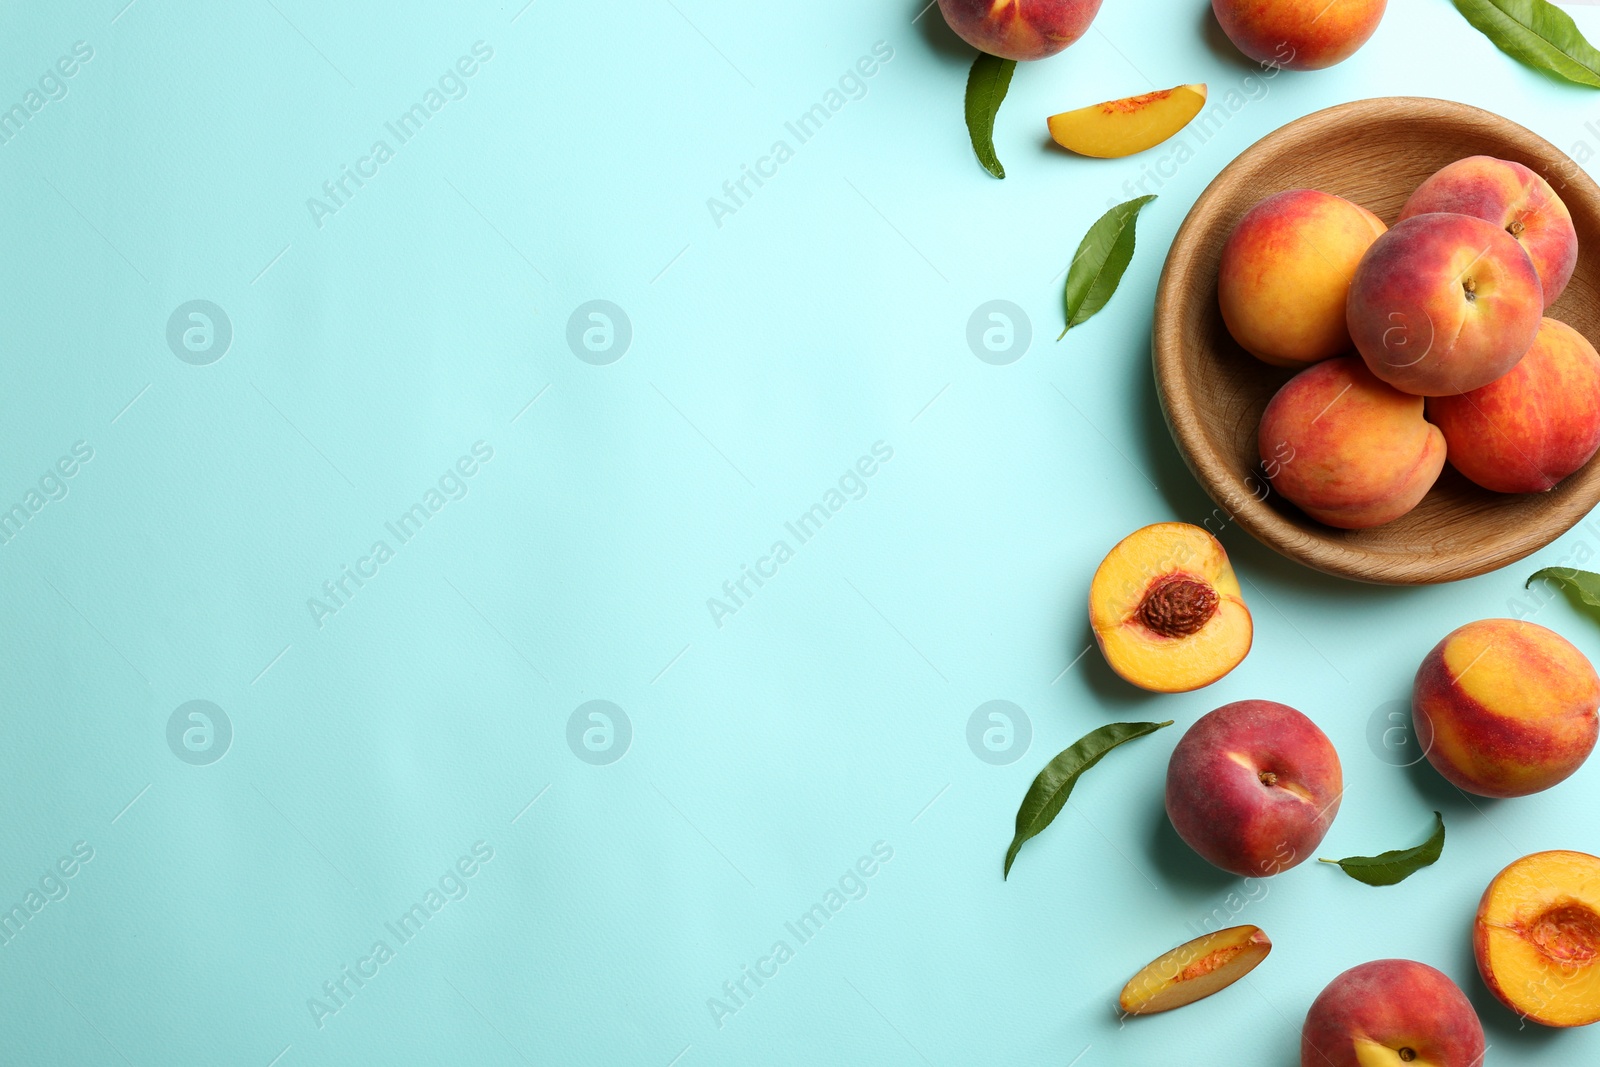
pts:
[1583, 587]
[1097, 266]
[986, 87]
[1537, 33]
[1390, 868]
[1048, 793]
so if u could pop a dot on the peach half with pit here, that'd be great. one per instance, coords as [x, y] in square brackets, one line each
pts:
[1537, 938]
[1166, 609]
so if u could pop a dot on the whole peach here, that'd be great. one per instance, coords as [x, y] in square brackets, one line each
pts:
[1286, 272]
[1527, 430]
[1392, 1011]
[1349, 450]
[1511, 196]
[1505, 707]
[1443, 304]
[1253, 786]
[1298, 34]
[1020, 29]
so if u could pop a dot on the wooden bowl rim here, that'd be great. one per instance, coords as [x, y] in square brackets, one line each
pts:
[1299, 537]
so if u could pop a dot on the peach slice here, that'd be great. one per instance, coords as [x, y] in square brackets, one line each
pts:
[1166, 609]
[1537, 938]
[1120, 128]
[1195, 970]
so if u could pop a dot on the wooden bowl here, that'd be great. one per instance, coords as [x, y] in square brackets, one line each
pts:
[1374, 152]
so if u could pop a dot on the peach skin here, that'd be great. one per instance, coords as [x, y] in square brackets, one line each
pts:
[1298, 34]
[1392, 1012]
[1253, 787]
[1537, 938]
[1443, 304]
[1166, 610]
[1515, 198]
[1505, 708]
[1286, 272]
[1349, 450]
[1527, 430]
[1019, 29]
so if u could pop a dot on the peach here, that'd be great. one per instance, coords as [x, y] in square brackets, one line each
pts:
[1119, 128]
[1195, 970]
[1253, 786]
[1504, 708]
[1285, 275]
[1351, 451]
[1020, 29]
[1392, 1012]
[1527, 430]
[1298, 34]
[1443, 304]
[1166, 609]
[1511, 196]
[1537, 938]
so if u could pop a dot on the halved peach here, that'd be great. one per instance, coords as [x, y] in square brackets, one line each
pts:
[1119, 128]
[1166, 609]
[1537, 938]
[1195, 969]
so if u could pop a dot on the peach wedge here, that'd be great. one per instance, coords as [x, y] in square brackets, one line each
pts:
[1537, 938]
[1120, 128]
[1195, 970]
[1166, 609]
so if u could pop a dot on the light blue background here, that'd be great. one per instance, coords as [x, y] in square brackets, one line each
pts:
[768, 354]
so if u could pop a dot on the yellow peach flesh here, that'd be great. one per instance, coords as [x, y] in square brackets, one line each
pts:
[1194, 970]
[1537, 938]
[1201, 645]
[1132, 124]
